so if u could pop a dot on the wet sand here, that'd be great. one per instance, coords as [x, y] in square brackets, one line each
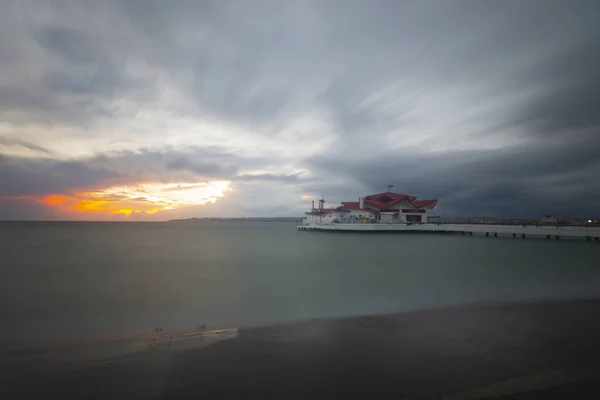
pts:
[512, 351]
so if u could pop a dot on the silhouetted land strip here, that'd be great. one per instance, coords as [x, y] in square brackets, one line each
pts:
[249, 219]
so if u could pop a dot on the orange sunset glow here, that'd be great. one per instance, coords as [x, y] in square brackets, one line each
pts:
[147, 197]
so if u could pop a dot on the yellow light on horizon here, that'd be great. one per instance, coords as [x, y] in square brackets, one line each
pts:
[144, 197]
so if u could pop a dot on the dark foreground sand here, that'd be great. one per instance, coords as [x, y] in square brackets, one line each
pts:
[514, 351]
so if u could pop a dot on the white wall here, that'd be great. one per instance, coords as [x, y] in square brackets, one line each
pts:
[357, 213]
[406, 205]
[345, 216]
[312, 219]
[385, 218]
[340, 216]
[329, 218]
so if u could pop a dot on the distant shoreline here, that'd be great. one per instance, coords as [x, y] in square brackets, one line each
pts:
[241, 219]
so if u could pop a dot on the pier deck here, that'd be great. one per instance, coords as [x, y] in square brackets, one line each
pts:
[550, 232]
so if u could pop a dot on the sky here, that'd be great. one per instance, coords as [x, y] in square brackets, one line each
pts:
[155, 110]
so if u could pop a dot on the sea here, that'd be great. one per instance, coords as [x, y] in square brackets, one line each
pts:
[79, 279]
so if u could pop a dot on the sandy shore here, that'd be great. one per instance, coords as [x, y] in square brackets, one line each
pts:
[512, 351]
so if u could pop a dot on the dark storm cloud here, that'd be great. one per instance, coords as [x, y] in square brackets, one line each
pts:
[570, 93]
[216, 170]
[521, 181]
[170, 164]
[104, 82]
[17, 209]
[22, 176]
[82, 71]
[34, 177]
[290, 178]
[9, 142]
[77, 48]
[74, 46]
[202, 169]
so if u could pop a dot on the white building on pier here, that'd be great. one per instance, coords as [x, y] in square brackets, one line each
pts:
[380, 208]
[395, 212]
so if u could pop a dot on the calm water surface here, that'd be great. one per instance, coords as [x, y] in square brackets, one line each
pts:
[68, 279]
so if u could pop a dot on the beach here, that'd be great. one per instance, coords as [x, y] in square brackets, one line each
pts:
[524, 350]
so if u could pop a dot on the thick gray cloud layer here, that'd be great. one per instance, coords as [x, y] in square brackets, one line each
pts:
[491, 107]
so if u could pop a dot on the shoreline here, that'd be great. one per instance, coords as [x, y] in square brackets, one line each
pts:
[141, 333]
[428, 353]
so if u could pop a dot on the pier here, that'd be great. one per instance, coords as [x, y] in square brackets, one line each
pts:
[397, 212]
[550, 232]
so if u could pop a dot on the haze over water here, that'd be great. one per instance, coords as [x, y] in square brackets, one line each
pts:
[76, 279]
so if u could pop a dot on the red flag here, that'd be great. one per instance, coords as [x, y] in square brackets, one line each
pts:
[390, 186]
[547, 216]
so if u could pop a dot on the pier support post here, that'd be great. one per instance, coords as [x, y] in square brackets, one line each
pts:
[597, 239]
[523, 235]
[557, 237]
[547, 237]
[487, 234]
[588, 238]
[514, 235]
[471, 234]
[495, 234]
[463, 233]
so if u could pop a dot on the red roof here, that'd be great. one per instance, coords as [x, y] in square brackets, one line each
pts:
[423, 203]
[355, 205]
[377, 202]
[386, 199]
